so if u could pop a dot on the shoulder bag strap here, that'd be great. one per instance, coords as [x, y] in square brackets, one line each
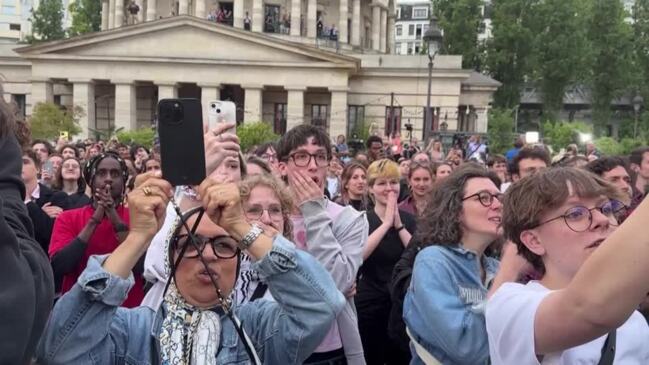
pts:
[608, 350]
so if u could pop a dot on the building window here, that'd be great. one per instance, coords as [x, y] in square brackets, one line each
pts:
[13, 26]
[411, 29]
[392, 120]
[417, 48]
[418, 31]
[398, 29]
[420, 13]
[409, 48]
[397, 48]
[355, 118]
[399, 13]
[279, 120]
[319, 115]
[20, 100]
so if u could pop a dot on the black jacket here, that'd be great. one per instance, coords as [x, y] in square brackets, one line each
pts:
[26, 283]
[42, 222]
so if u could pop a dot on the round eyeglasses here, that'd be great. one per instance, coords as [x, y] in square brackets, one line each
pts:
[255, 212]
[303, 159]
[224, 247]
[485, 198]
[580, 219]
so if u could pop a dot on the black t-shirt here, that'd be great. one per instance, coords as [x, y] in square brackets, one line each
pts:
[376, 271]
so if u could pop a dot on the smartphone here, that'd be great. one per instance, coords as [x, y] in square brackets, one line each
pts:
[48, 167]
[182, 152]
[222, 112]
[65, 135]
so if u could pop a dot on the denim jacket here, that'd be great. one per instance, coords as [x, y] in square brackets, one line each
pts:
[88, 326]
[445, 303]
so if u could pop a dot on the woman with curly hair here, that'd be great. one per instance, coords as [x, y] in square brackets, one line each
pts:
[444, 306]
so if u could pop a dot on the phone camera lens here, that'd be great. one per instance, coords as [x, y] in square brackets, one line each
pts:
[213, 106]
[218, 111]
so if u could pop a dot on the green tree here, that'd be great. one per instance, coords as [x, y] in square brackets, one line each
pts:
[612, 49]
[509, 51]
[641, 45]
[48, 120]
[561, 134]
[608, 146]
[86, 16]
[47, 22]
[559, 52]
[461, 20]
[500, 130]
[143, 137]
[252, 134]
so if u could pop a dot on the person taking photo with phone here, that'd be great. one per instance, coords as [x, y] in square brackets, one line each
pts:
[196, 323]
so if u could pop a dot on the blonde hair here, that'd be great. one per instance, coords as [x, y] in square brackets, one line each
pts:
[382, 169]
[279, 188]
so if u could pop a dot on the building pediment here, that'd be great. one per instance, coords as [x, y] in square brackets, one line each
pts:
[187, 39]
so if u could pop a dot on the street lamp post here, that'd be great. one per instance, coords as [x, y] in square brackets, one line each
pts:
[433, 39]
[637, 104]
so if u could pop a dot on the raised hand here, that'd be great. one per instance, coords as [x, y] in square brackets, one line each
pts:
[219, 144]
[222, 203]
[304, 188]
[147, 205]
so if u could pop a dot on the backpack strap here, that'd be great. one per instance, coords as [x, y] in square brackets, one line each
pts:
[425, 356]
[608, 350]
[259, 292]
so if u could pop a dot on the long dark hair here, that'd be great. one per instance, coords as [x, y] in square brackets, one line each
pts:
[58, 179]
[439, 223]
[345, 177]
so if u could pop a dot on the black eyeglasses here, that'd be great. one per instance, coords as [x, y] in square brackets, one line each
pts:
[485, 198]
[580, 219]
[303, 159]
[256, 211]
[223, 247]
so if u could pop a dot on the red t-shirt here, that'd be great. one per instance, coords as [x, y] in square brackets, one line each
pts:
[103, 241]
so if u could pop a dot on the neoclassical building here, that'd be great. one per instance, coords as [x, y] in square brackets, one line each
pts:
[286, 70]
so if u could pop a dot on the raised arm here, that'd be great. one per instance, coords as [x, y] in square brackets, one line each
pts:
[603, 294]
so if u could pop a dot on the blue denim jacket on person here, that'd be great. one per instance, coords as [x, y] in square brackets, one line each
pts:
[88, 326]
[445, 303]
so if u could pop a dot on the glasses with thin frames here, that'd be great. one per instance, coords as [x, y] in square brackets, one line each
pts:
[485, 198]
[580, 218]
[220, 247]
[256, 211]
[303, 159]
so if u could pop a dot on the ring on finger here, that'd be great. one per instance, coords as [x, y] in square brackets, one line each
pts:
[146, 190]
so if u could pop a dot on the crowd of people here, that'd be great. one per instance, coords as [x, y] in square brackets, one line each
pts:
[320, 253]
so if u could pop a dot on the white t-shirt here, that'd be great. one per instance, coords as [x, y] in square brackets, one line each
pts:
[510, 327]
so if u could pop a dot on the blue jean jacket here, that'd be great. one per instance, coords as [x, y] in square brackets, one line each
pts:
[445, 303]
[87, 325]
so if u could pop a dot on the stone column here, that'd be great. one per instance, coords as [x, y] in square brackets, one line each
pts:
[83, 95]
[119, 13]
[257, 16]
[383, 30]
[167, 90]
[376, 27]
[104, 14]
[42, 91]
[356, 23]
[183, 7]
[209, 92]
[343, 11]
[253, 106]
[311, 18]
[296, 14]
[140, 14]
[481, 120]
[391, 19]
[200, 9]
[338, 114]
[151, 10]
[111, 14]
[238, 14]
[125, 105]
[294, 106]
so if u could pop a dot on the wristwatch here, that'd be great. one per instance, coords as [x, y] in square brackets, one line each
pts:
[250, 237]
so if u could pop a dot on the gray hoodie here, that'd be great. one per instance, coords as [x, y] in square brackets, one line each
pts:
[336, 236]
